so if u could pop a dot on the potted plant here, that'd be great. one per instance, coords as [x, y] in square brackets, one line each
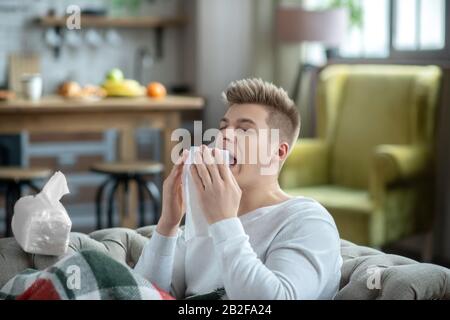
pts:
[354, 8]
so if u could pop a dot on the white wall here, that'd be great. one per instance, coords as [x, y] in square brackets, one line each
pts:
[224, 50]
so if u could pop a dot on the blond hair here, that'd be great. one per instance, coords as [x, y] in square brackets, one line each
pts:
[283, 114]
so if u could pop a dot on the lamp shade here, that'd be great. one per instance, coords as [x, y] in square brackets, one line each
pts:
[295, 25]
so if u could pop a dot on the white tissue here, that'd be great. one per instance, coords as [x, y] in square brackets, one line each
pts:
[40, 223]
[196, 224]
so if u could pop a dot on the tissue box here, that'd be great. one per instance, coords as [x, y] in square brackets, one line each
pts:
[40, 223]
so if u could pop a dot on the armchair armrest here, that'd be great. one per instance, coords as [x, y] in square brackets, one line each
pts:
[396, 163]
[307, 165]
[399, 162]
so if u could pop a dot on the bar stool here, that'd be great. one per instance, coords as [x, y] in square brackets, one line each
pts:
[121, 173]
[14, 178]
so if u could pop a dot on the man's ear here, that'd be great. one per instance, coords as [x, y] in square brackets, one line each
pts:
[283, 151]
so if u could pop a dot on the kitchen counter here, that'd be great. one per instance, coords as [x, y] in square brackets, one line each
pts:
[54, 114]
[57, 103]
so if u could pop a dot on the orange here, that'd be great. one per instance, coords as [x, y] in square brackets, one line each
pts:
[156, 90]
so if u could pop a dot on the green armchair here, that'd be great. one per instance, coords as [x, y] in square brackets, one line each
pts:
[371, 165]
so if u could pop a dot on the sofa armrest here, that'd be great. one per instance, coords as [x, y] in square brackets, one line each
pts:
[416, 282]
[307, 165]
[369, 274]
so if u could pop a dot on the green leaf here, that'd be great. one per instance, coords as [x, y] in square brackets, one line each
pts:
[355, 9]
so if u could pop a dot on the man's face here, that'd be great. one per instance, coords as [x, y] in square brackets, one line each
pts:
[247, 136]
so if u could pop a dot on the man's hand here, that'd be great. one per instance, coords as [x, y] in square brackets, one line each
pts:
[172, 200]
[219, 193]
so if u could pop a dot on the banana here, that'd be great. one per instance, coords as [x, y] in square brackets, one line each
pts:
[124, 88]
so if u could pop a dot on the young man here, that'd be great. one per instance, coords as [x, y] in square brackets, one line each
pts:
[263, 243]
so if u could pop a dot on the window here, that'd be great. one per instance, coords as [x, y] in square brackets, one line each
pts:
[371, 39]
[414, 27]
[419, 25]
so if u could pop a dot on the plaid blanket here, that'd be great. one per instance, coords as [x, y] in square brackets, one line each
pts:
[87, 275]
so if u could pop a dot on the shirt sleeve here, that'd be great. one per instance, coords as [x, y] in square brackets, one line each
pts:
[299, 262]
[162, 263]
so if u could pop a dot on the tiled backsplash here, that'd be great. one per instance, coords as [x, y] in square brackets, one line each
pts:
[84, 63]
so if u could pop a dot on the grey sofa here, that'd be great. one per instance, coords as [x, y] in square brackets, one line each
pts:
[367, 274]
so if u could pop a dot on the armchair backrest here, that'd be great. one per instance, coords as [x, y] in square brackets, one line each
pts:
[362, 106]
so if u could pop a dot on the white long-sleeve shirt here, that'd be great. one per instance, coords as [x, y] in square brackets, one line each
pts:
[286, 251]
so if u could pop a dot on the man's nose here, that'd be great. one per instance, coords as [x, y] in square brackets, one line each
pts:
[228, 136]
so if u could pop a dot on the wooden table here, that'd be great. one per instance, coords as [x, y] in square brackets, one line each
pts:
[59, 115]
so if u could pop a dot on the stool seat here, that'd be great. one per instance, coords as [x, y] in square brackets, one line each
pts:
[128, 168]
[23, 174]
[14, 179]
